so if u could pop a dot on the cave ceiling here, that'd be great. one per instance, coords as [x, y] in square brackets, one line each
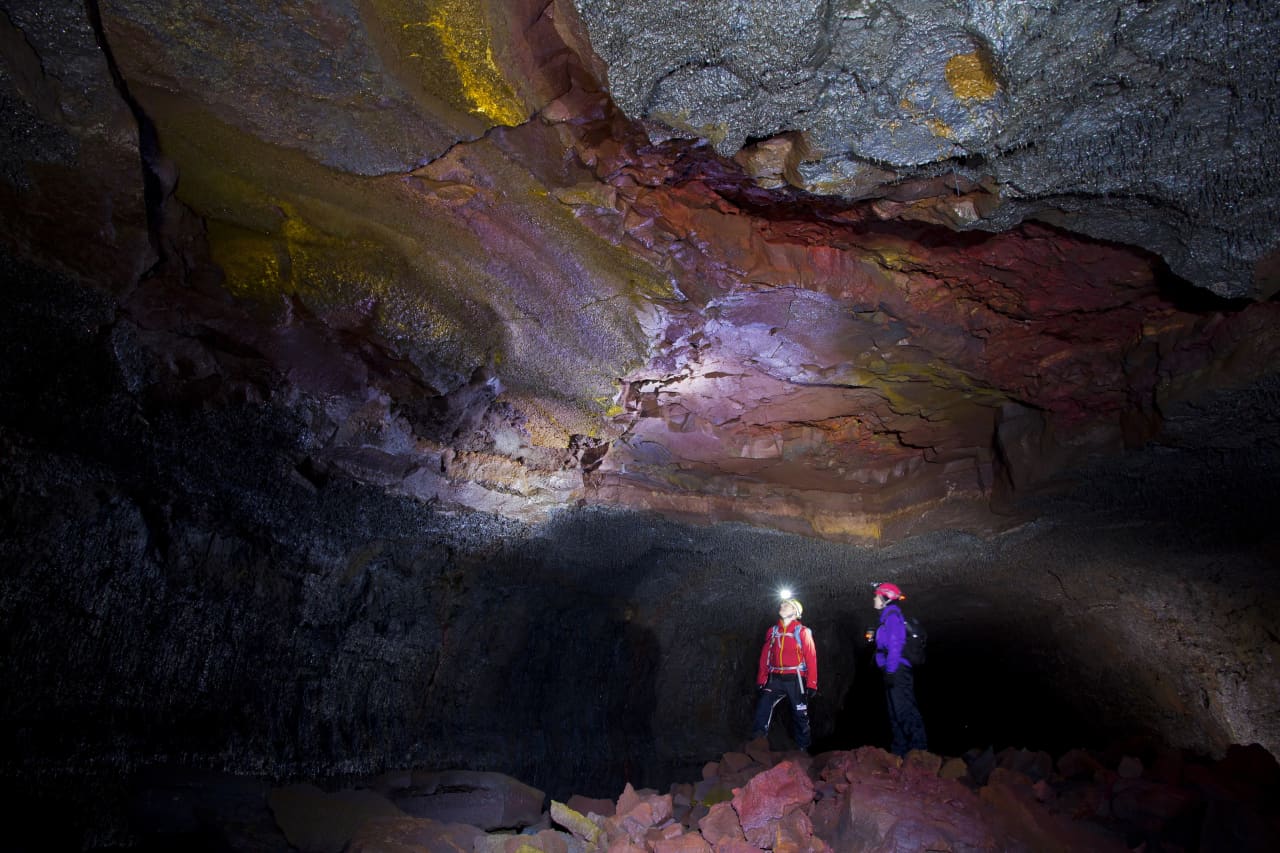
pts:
[849, 269]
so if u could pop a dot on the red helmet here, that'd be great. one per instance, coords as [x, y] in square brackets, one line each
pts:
[889, 591]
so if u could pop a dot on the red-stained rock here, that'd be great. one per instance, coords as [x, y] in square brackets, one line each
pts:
[864, 761]
[1150, 805]
[644, 807]
[721, 824]
[793, 832]
[1032, 764]
[1019, 815]
[886, 808]
[732, 762]
[682, 844]
[590, 805]
[1044, 791]
[712, 791]
[1001, 776]
[759, 752]
[919, 761]
[624, 845]
[1129, 768]
[735, 846]
[1078, 764]
[772, 795]
[668, 830]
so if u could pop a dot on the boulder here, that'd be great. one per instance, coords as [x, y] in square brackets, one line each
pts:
[577, 824]
[485, 800]
[890, 806]
[413, 835]
[1019, 815]
[1035, 765]
[771, 797]
[1149, 806]
[1078, 764]
[721, 824]
[683, 843]
[591, 805]
[318, 822]
[1129, 768]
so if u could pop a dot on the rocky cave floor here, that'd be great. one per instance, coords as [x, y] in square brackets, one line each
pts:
[1135, 795]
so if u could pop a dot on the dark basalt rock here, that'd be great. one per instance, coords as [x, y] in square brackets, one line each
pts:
[320, 461]
[1148, 125]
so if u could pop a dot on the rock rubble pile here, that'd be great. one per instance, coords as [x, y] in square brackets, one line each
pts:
[1140, 798]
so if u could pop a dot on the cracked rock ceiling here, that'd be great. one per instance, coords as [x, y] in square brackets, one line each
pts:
[850, 269]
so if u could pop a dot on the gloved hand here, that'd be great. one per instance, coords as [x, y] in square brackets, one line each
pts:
[810, 693]
[760, 688]
[889, 677]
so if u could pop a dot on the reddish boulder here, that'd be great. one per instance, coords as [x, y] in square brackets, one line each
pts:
[771, 795]
[721, 824]
[1019, 815]
[682, 844]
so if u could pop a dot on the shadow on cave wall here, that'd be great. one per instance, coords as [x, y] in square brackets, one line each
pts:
[176, 589]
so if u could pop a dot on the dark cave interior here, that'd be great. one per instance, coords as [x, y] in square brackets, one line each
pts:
[391, 389]
[225, 611]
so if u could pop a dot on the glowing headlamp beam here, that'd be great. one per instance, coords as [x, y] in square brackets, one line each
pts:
[784, 593]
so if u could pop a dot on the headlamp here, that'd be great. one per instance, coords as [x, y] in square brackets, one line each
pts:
[784, 594]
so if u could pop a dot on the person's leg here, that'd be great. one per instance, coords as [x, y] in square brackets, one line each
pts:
[769, 698]
[898, 742]
[904, 715]
[912, 723]
[799, 713]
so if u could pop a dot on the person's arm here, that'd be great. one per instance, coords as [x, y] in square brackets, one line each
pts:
[895, 637]
[762, 674]
[810, 651]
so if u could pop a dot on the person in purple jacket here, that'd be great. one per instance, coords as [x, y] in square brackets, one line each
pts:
[899, 682]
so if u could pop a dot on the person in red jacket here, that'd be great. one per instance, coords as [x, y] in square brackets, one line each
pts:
[788, 670]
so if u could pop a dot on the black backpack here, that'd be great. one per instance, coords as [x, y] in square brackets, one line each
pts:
[914, 650]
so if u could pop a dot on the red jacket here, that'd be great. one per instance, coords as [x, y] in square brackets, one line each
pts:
[781, 652]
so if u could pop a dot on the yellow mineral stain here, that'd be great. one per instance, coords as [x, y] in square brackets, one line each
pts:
[464, 36]
[970, 77]
[254, 264]
[859, 527]
[939, 128]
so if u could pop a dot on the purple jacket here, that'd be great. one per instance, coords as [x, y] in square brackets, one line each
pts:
[891, 636]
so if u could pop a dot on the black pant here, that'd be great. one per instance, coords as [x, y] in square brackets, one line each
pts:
[783, 686]
[904, 716]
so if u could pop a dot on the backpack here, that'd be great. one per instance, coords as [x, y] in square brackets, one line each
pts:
[796, 631]
[914, 650]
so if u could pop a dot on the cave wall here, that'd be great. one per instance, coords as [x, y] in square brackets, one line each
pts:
[252, 378]
[456, 225]
[181, 586]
